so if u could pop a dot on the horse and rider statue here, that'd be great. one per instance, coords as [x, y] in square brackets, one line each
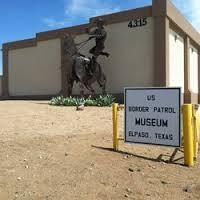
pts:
[86, 70]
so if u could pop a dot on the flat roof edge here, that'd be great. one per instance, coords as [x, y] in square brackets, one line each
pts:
[80, 29]
[171, 12]
[179, 20]
[17, 44]
[124, 15]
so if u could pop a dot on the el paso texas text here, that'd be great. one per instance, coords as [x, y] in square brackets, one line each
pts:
[151, 122]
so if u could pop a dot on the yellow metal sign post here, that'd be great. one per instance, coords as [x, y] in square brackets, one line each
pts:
[115, 127]
[191, 122]
[188, 135]
[196, 121]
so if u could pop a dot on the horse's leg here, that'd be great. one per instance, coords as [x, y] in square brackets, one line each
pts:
[90, 88]
[70, 86]
[81, 86]
[104, 89]
[102, 83]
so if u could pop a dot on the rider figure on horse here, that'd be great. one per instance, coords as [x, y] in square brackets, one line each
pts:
[100, 36]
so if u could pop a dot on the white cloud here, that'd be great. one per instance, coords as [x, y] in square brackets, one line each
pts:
[87, 9]
[191, 9]
[79, 11]
[50, 22]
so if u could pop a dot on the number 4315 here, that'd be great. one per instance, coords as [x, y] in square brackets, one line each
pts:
[137, 22]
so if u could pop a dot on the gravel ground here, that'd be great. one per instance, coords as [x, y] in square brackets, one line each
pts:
[58, 153]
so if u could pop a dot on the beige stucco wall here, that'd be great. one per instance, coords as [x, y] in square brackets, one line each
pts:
[0, 85]
[131, 56]
[35, 70]
[193, 69]
[176, 60]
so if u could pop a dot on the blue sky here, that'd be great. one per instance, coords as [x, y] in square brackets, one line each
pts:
[21, 19]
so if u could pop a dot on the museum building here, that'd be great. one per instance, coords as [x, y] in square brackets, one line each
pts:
[153, 46]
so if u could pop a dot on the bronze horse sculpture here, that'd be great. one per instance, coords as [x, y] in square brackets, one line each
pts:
[80, 68]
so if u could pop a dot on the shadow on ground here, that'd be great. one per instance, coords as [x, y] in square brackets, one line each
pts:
[171, 159]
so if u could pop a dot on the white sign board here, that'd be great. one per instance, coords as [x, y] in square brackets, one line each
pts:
[152, 116]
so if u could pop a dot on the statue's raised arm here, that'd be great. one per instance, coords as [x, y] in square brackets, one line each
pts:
[100, 36]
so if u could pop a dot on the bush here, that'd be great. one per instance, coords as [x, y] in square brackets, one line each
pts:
[105, 100]
[62, 101]
[101, 100]
[90, 102]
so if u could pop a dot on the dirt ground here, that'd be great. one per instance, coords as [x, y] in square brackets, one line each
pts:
[58, 153]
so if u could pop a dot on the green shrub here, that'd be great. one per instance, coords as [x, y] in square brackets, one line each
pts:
[105, 100]
[101, 100]
[62, 101]
[90, 102]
